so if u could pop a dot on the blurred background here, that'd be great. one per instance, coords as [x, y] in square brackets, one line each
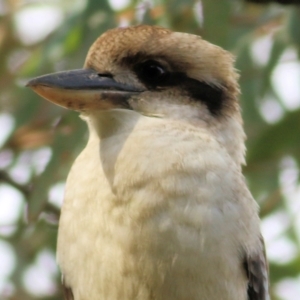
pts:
[39, 141]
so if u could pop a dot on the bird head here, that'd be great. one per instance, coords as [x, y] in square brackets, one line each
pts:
[157, 73]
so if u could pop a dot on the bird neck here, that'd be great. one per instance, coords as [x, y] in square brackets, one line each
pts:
[121, 122]
[113, 122]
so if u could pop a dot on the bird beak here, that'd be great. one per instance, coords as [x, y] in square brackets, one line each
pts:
[83, 90]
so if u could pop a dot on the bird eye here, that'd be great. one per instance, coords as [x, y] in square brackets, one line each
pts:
[151, 73]
[105, 75]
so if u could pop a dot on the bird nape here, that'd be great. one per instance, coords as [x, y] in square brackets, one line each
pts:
[156, 206]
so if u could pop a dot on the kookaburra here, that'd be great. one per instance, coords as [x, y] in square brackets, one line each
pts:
[156, 206]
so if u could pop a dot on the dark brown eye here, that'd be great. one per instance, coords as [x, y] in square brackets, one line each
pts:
[152, 73]
[105, 75]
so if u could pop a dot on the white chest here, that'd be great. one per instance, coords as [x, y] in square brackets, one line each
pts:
[152, 215]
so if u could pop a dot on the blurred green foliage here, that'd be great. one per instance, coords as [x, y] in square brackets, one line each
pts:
[232, 24]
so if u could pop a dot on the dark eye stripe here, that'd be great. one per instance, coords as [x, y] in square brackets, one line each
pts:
[213, 97]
